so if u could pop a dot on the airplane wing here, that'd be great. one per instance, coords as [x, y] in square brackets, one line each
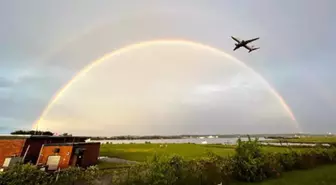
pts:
[251, 40]
[234, 49]
[247, 47]
[236, 39]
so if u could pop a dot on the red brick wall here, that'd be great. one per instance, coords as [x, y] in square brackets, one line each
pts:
[65, 153]
[91, 154]
[36, 145]
[10, 147]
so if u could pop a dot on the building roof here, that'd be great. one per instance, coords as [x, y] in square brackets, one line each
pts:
[71, 144]
[2, 136]
[7, 136]
[61, 137]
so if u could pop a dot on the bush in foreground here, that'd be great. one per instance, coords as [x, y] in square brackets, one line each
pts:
[248, 164]
[24, 174]
[29, 175]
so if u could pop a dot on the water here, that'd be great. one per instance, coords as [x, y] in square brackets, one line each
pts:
[294, 144]
[228, 141]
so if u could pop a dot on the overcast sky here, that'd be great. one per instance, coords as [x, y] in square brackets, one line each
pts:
[44, 43]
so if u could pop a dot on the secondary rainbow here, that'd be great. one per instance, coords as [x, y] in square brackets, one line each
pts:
[157, 42]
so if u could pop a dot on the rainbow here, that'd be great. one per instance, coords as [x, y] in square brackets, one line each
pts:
[149, 43]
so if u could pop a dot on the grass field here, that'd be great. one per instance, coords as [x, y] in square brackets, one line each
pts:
[141, 152]
[324, 175]
[314, 139]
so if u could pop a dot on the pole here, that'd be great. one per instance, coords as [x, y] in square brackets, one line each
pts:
[24, 156]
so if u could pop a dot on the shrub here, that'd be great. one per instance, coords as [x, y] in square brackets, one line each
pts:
[161, 169]
[330, 155]
[24, 174]
[271, 165]
[74, 174]
[248, 161]
[174, 170]
[165, 170]
[215, 170]
[29, 175]
[288, 160]
[204, 171]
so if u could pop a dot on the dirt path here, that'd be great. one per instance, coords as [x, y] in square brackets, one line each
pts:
[116, 160]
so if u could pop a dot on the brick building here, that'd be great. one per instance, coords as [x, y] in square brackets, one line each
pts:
[63, 155]
[10, 147]
[29, 147]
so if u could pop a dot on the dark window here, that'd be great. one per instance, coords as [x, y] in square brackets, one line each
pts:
[57, 150]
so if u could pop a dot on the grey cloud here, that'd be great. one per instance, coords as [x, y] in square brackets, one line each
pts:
[8, 124]
[24, 108]
[22, 102]
[296, 44]
[5, 83]
[28, 98]
[3, 128]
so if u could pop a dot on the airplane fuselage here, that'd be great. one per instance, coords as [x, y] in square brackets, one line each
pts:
[243, 43]
[238, 45]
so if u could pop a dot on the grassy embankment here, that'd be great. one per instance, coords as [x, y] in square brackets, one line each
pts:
[324, 175]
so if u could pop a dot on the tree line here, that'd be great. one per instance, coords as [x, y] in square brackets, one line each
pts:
[37, 132]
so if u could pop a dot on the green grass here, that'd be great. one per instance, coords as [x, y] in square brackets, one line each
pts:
[314, 139]
[141, 152]
[324, 175]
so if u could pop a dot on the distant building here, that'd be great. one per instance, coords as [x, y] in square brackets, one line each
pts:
[28, 148]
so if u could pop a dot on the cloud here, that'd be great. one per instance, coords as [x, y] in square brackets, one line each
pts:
[23, 108]
[22, 102]
[6, 86]
[73, 43]
[3, 128]
[205, 89]
[5, 83]
[25, 93]
[8, 124]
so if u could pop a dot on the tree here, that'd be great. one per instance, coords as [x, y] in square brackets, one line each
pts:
[32, 132]
[66, 134]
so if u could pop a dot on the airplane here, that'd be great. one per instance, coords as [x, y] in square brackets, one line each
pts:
[243, 43]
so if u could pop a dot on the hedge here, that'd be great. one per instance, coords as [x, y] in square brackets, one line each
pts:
[249, 164]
